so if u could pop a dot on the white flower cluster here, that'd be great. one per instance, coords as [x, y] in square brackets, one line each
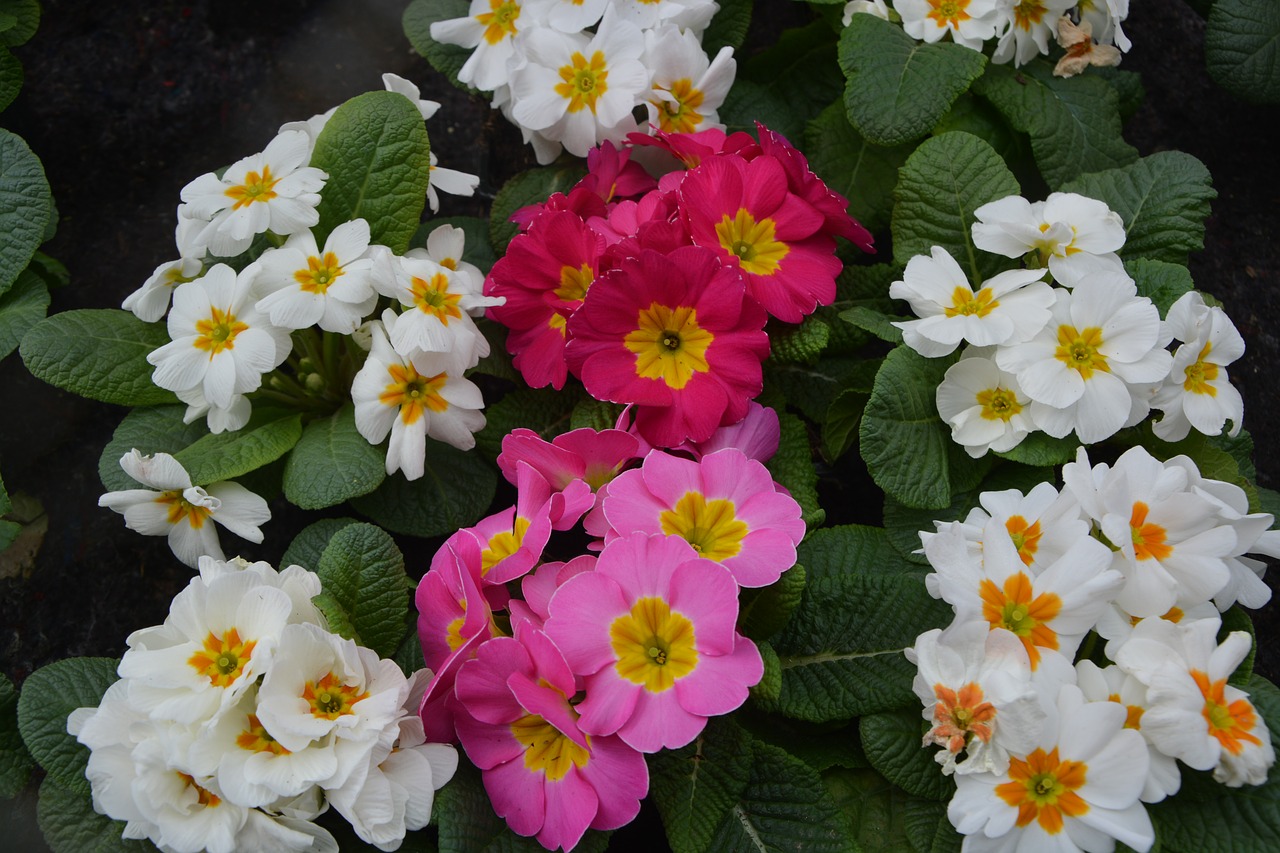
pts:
[228, 329]
[1063, 757]
[1085, 356]
[564, 84]
[1088, 29]
[241, 719]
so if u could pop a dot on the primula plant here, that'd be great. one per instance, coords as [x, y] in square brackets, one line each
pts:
[830, 448]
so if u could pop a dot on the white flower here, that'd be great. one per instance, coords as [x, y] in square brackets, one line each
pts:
[445, 246]
[1197, 392]
[188, 814]
[219, 419]
[450, 181]
[1069, 232]
[439, 305]
[692, 15]
[307, 286]
[274, 190]
[975, 683]
[401, 86]
[984, 406]
[688, 88]
[221, 343]
[1116, 624]
[181, 511]
[490, 27]
[1009, 308]
[864, 7]
[1087, 369]
[149, 302]
[301, 585]
[1105, 16]
[1027, 26]
[970, 22]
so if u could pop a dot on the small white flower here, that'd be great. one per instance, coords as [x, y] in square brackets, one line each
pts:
[219, 419]
[1070, 233]
[189, 814]
[1105, 17]
[984, 406]
[149, 302]
[401, 86]
[970, 22]
[307, 286]
[439, 305]
[445, 246]
[688, 88]
[173, 507]
[1197, 392]
[490, 27]
[1027, 27]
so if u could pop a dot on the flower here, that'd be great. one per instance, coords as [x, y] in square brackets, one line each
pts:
[182, 511]
[864, 7]
[490, 28]
[687, 88]
[439, 304]
[984, 406]
[308, 286]
[1197, 392]
[450, 181]
[149, 302]
[1082, 51]
[970, 22]
[1026, 27]
[1069, 233]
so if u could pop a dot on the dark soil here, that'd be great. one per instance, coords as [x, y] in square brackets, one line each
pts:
[127, 101]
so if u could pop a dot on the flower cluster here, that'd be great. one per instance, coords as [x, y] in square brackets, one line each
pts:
[1064, 756]
[657, 293]
[254, 284]
[564, 83]
[1089, 31]
[241, 718]
[557, 694]
[1085, 356]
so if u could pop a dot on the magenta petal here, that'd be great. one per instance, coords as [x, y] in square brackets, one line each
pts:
[548, 661]
[481, 685]
[707, 595]
[487, 745]
[581, 611]
[719, 684]
[659, 721]
[518, 796]
[547, 703]
[571, 805]
[570, 504]
[609, 703]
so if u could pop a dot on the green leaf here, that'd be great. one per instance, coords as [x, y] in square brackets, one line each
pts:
[25, 205]
[769, 686]
[765, 611]
[973, 115]
[792, 466]
[875, 322]
[840, 426]
[336, 617]
[891, 741]
[10, 77]
[928, 828]
[942, 184]
[21, 307]
[409, 656]
[595, 414]
[70, 824]
[307, 547]
[231, 454]
[454, 491]
[798, 344]
[728, 27]
[696, 785]
[363, 570]
[1236, 618]
[26, 20]
[376, 153]
[1163, 200]
[863, 173]
[835, 550]
[1042, 450]
[1128, 86]
[803, 53]
[533, 186]
[97, 353]
[158, 429]
[811, 389]
[820, 745]
[1073, 122]
[332, 462]
[898, 88]
[749, 102]
[875, 810]
[48, 695]
[15, 761]
[544, 410]
[1251, 812]
[448, 59]
[1242, 49]
[1160, 281]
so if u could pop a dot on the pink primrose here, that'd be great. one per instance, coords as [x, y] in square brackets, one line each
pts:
[539, 585]
[512, 539]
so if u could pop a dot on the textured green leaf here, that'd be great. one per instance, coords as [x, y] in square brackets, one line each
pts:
[1163, 200]
[696, 785]
[928, 828]
[1160, 281]
[596, 414]
[942, 184]
[768, 688]
[376, 153]
[874, 809]
[792, 466]
[544, 410]
[891, 741]
[15, 762]
[21, 307]
[833, 552]
[820, 745]
[157, 429]
[231, 454]
[454, 491]
[409, 656]
[97, 353]
[749, 102]
[307, 547]
[448, 59]
[1251, 812]
[804, 53]
[798, 344]
[875, 322]
[336, 617]
[70, 825]
[783, 807]
[363, 570]
[1128, 86]
[898, 88]
[840, 426]
[863, 173]
[728, 27]
[973, 115]
[48, 695]
[10, 77]
[26, 20]
[1242, 48]
[25, 206]
[332, 462]
[1073, 122]
[1042, 449]
[764, 612]
[812, 388]
[534, 186]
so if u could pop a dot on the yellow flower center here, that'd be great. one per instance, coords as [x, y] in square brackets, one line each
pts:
[180, 509]
[669, 344]
[682, 116]
[412, 392]
[204, 797]
[223, 658]
[433, 297]
[501, 21]
[998, 404]
[583, 81]
[255, 738]
[1026, 538]
[218, 332]
[1148, 539]
[319, 274]
[1027, 13]
[574, 282]
[546, 750]
[654, 645]
[1013, 609]
[1200, 374]
[255, 188]
[752, 242]
[503, 544]
[709, 526]
[1079, 350]
[948, 12]
[330, 698]
[966, 303]
[1043, 788]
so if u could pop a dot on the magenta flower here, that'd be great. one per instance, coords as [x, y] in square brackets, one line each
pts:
[674, 334]
[652, 632]
[512, 539]
[725, 506]
[543, 774]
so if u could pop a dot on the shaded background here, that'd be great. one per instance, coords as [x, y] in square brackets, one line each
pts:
[127, 101]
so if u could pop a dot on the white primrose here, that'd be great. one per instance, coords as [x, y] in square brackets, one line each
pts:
[983, 405]
[1197, 392]
[970, 22]
[219, 419]
[692, 15]
[1009, 308]
[1026, 28]
[273, 191]
[545, 149]
[1116, 624]
[445, 246]
[309, 286]
[1105, 16]
[1071, 234]
[399, 85]
[150, 302]
[688, 88]
[301, 585]
[183, 512]
[439, 304]
[490, 27]
[450, 181]
[864, 7]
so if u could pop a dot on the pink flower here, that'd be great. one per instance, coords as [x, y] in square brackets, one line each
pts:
[652, 632]
[543, 774]
[512, 540]
[757, 435]
[725, 506]
[539, 585]
[674, 334]
[592, 456]
[692, 148]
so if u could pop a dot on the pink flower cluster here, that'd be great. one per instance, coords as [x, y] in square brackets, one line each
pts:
[558, 676]
[656, 292]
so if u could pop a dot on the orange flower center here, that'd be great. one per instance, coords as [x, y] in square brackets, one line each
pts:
[1231, 723]
[959, 714]
[223, 658]
[1148, 539]
[1014, 609]
[1043, 789]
